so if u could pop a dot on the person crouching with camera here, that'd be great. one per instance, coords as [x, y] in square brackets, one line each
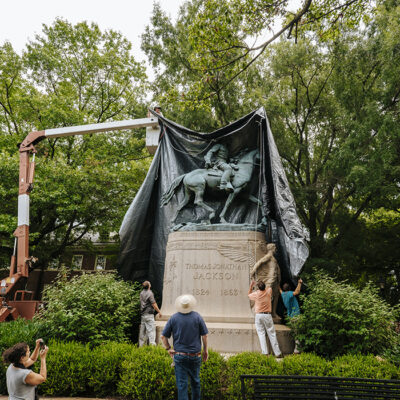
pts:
[22, 381]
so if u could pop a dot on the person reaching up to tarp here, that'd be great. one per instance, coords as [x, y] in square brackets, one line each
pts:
[290, 302]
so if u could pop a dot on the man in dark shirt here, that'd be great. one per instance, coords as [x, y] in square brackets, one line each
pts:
[147, 306]
[188, 330]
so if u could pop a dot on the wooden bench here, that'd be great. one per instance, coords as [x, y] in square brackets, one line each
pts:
[317, 387]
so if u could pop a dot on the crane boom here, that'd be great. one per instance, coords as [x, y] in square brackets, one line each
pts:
[20, 260]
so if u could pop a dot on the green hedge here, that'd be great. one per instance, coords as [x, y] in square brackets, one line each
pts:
[147, 374]
[306, 364]
[107, 368]
[251, 364]
[363, 366]
[68, 369]
[74, 369]
[213, 377]
[113, 369]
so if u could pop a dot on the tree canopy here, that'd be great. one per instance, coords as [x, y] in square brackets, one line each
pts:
[226, 37]
[71, 75]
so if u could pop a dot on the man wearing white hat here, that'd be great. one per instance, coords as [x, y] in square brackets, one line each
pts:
[188, 330]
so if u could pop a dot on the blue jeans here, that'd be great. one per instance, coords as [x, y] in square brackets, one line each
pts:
[187, 367]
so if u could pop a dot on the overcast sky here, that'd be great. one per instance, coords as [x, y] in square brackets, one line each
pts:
[22, 19]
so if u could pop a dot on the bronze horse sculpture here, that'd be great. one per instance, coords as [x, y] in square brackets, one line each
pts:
[197, 180]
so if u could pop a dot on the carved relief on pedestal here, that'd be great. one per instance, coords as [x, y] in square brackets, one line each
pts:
[170, 270]
[243, 252]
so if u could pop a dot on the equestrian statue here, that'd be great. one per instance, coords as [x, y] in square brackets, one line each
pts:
[218, 176]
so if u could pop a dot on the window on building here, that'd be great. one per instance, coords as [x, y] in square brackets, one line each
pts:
[77, 261]
[100, 263]
[53, 264]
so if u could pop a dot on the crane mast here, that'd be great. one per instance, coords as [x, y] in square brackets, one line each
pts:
[15, 300]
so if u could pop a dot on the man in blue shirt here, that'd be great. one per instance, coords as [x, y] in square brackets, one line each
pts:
[188, 330]
[290, 302]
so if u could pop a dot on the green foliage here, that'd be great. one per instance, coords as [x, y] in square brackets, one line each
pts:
[338, 319]
[393, 354]
[91, 308]
[184, 91]
[251, 364]
[368, 252]
[111, 369]
[20, 330]
[219, 45]
[147, 374]
[305, 364]
[213, 376]
[363, 366]
[69, 369]
[106, 368]
[76, 369]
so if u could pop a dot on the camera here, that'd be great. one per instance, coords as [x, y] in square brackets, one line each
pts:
[41, 344]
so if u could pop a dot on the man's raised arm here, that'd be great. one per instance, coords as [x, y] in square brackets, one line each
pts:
[298, 288]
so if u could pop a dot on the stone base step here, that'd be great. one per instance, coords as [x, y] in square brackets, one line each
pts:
[226, 337]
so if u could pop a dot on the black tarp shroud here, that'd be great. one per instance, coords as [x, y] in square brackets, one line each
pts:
[146, 225]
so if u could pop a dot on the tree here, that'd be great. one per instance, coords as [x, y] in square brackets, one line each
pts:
[222, 35]
[170, 53]
[71, 75]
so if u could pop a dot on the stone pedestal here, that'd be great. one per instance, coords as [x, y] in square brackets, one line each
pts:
[215, 268]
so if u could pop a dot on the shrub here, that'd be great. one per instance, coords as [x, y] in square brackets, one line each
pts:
[91, 308]
[250, 364]
[338, 319]
[76, 369]
[393, 354]
[106, 368]
[147, 374]
[363, 366]
[68, 369]
[20, 330]
[212, 376]
[306, 364]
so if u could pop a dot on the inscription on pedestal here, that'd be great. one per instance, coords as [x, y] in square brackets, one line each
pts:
[214, 267]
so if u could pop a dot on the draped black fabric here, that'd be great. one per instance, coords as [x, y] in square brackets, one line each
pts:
[146, 225]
